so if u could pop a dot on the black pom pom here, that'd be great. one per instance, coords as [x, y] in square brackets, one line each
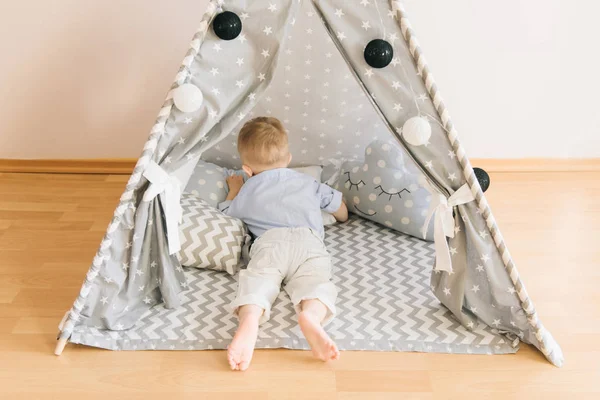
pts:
[227, 25]
[483, 178]
[379, 53]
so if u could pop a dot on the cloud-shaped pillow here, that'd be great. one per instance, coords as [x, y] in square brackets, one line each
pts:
[386, 189]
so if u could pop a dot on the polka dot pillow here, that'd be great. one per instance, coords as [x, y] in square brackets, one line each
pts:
[208, 182]
[386, 188]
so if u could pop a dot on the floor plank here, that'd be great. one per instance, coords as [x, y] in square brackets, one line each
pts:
[51, 226]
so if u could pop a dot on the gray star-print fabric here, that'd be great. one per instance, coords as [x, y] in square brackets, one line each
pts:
[302, 62]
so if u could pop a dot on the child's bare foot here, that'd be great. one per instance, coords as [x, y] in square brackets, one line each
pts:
[321, 344]
[241, 349]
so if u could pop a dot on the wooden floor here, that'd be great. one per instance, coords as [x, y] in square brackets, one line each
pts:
[51, 225]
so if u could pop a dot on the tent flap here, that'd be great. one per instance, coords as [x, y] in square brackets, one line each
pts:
[484, 283]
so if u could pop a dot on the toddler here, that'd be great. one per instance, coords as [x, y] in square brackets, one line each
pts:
[282, 209]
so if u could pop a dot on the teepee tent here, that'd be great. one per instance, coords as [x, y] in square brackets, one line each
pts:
[307, 63]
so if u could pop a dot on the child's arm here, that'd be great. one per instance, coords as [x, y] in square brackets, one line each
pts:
[330, 198]
[235, 183]
[341, 215]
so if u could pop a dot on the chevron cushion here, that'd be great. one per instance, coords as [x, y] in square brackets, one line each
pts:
[209, 238]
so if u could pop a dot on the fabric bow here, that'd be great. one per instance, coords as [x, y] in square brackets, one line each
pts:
[441, 208]
[161, 182]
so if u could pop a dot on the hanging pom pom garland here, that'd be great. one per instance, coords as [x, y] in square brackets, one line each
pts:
[379, 53]
[227, 25]
[188, 98]
[483, 178]
[416, 131]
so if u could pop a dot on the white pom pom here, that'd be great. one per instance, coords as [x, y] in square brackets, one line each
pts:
[416, 131]
[188, 98]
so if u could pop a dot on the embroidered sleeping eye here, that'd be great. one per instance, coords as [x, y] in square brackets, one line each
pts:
[392, 193]
[350, 184]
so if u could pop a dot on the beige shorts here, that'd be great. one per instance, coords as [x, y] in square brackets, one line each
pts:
[296, 257]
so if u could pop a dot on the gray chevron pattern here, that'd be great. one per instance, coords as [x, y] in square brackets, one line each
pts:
[384, 304]
[209, 238]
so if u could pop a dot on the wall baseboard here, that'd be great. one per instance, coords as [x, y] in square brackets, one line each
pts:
[82, 166]
[537, 164]
[120, 166]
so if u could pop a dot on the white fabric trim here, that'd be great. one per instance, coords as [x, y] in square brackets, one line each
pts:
[161, 182]
[441, 208]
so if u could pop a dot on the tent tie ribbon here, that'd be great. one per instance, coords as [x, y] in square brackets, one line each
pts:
[162, 182]
[441, 208]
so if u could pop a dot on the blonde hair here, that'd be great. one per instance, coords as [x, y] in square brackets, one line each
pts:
[263, 141]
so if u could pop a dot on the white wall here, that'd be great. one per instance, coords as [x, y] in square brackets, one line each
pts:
[85, 78]
[520, 77]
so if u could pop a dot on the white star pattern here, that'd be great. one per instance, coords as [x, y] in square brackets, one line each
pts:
[479, 268]
[422, 97]
[447, 291]
[392, 38]
[240, 62]
[511, 290]
[452, 177]
[453, 251]
[214, 71]
[310, 77]
[272, 7]
[239, 84]
[483, 234]
[485, 258]
[242, 38]
[496, 323]
[217, 47]
[244, 16]
[104, 300]
[475, 288]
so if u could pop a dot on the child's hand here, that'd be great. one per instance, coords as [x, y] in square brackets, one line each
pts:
[235, 183]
